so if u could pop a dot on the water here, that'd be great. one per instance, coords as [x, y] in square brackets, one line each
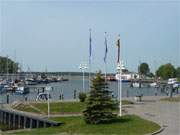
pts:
[77, 84]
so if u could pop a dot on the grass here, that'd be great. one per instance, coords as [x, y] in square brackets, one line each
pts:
[57, 107]
[3, 127]
[171, 99]
[126, 125]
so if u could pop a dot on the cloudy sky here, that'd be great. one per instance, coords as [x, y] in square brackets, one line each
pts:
[55, 34]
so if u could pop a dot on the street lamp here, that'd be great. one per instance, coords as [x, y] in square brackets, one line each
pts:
[83, 66]
[119, 87]
[48, 89]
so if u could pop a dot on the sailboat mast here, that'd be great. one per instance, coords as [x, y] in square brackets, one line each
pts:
[7, 68]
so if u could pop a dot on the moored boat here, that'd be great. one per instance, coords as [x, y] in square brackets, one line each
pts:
[126, 76]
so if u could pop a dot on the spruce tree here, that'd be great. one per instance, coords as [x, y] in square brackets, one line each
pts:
[99, 105]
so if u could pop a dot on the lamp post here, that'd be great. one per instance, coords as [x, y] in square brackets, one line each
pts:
[83, 66]
[48, 102]
[120, 88]
[48, 105]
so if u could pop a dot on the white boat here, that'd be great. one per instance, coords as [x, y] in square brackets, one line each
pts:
[154, 84]
[21, 90]
[126, 76]
[136, 85]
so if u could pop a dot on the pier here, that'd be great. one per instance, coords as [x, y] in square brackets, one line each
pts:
[17, 120]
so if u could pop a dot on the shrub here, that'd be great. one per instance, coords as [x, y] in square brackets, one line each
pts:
[82, 96]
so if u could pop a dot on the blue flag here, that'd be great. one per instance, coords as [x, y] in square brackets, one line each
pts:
[106, 49]
[118, 45]
[90, 47]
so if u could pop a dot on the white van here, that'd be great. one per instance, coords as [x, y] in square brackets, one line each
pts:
[172, 80]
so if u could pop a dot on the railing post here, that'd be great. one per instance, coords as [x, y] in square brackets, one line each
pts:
[14, 121]
[25, 119]
[30, 124]
[37, 123]
[1, 116]
[9, 119]
[19, 121]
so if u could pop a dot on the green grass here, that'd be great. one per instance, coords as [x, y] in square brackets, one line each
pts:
[126, 125]
[171, 99]
[57, 107]
[3, 127]
[26, 108]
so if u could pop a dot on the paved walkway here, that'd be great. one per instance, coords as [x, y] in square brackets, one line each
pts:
[166, 114]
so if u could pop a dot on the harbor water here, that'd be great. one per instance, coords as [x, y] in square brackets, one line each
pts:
[68, 87]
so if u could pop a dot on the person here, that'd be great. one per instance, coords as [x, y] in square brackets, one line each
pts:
[60, 97]
[38, 91]
[43, 89]
[75, 94]
[7, 98]
[112, 94]
[26, 98]
[127, 93]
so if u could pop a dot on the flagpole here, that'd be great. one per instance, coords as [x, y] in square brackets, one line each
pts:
[105, 71]
[120, 92]
[119, 79]
[105, 56]
[120, 89]
[89, 76]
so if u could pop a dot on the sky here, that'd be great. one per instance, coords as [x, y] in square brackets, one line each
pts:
[54, 35]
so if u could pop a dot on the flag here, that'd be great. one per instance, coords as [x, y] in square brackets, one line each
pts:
[106, 49]
[90, 47]
[118, 45]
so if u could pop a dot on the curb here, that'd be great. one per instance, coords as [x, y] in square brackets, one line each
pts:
[158, 131]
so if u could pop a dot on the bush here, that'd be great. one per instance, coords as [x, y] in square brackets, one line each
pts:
[82, 96]
[178, 79]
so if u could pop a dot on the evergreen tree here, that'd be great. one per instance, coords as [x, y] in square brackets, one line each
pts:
[100, 105]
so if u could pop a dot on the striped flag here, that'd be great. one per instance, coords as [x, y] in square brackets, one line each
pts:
[106, 48]
[118, 45]
[90, 47]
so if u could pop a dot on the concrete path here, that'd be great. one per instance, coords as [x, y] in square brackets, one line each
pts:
[164, 113]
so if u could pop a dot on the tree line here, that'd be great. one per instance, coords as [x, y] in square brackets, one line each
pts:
[164, 71]
[8, 66]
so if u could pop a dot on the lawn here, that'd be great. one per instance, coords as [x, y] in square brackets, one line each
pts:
[56, 107]
[3, 127]
[171, 99]
[126, 125]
